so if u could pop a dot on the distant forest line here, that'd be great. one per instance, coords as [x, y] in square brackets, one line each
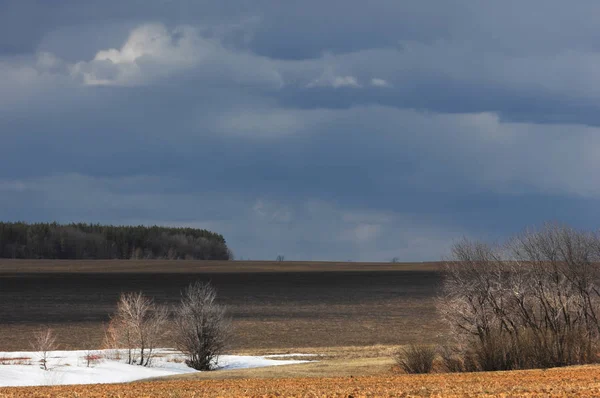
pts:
[95, 241]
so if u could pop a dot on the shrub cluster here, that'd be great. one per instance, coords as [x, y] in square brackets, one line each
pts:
[531, 303]
[416, 359]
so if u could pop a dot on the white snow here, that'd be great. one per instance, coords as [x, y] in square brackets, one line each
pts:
[70, 367]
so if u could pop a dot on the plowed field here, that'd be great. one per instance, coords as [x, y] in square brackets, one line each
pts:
[566, 382]
[273, 305]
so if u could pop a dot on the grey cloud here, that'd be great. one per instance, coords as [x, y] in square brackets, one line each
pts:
[327, 130]
[301, 30]
[269, 227]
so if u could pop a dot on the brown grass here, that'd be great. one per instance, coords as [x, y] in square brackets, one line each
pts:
[5, 359]
[566, 382]
[319, 368]
[338, 352]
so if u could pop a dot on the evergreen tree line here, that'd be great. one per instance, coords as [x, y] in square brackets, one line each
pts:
[95, 241]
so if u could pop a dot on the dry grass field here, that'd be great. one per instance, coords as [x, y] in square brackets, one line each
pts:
[566, 382]
[274, 306]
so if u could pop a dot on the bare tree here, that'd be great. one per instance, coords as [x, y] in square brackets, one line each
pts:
[230, 255]
[44, 341]
[563, 292]
[280, 258]
[533, 302]
[473, 281]
[201, 329]
[138, 326]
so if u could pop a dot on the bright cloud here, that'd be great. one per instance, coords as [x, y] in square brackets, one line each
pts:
[149, 51]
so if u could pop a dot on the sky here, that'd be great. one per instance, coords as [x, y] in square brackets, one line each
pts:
[317, 130]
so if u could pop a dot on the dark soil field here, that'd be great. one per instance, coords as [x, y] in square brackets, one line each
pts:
[273, 305]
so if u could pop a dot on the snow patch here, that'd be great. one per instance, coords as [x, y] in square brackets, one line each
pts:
[70, 367]
[290, 355]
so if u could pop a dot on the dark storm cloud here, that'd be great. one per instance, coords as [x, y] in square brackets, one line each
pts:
[329, 130]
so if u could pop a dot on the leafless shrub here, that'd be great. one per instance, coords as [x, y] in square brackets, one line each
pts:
[44, 341]
[201, 329]
[452, 360]
[92, 358]
[111, 344]
[534, 302]
[15, 360]
[416, 358]
[137, 327]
